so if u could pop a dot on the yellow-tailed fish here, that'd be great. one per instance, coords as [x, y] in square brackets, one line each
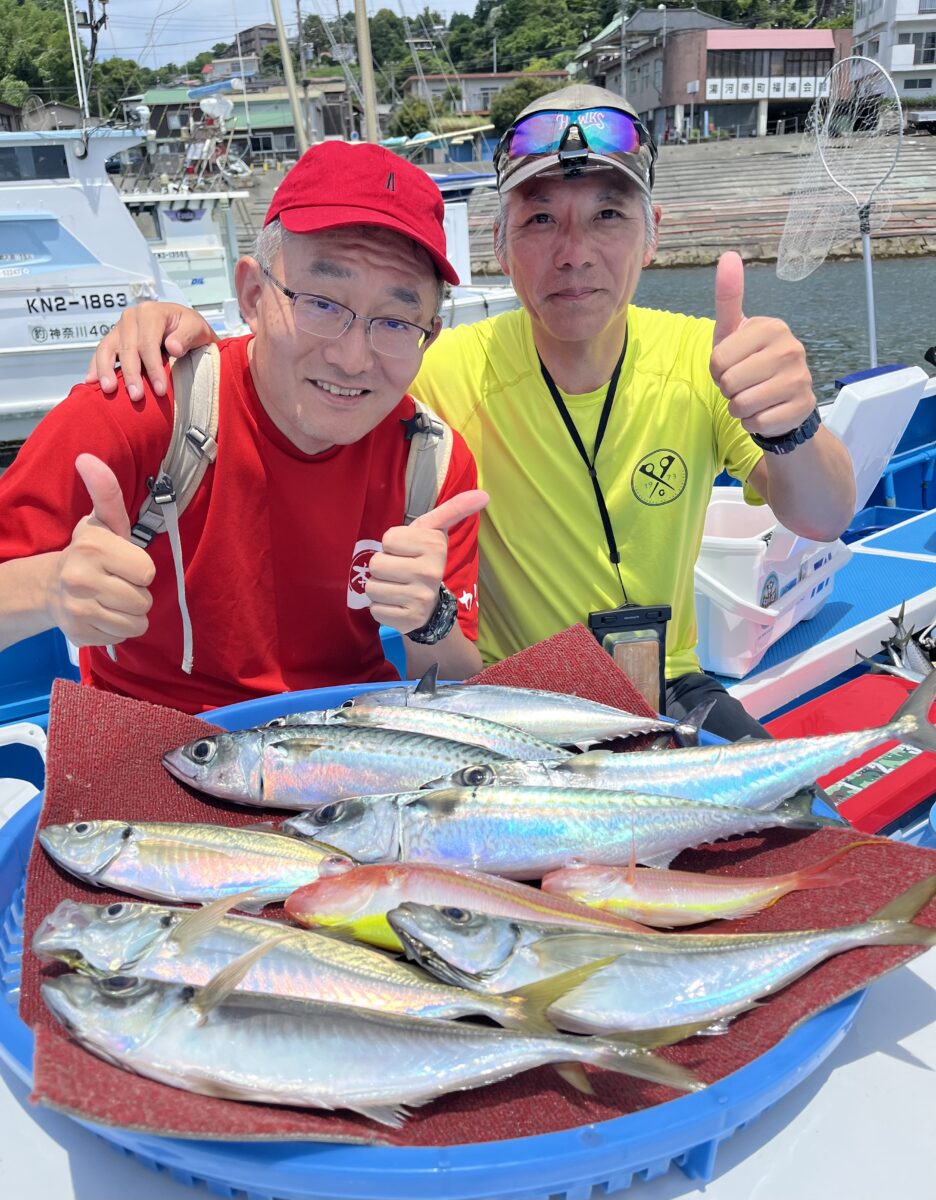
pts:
[191, 946]
[655, 979]
[195, 863]
[667, 899]
[271, 1050]
[357, 901]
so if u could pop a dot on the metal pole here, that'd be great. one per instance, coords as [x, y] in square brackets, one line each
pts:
[301, 138]
[495, 54]
[75, 56]
[366, 64]
[624, 49]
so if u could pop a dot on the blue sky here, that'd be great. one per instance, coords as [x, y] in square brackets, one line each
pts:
[154, 32]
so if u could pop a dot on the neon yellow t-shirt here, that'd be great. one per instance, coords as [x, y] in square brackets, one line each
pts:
[544, 555]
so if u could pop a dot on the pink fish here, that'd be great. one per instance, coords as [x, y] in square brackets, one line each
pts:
[667, 899]
[357, 900]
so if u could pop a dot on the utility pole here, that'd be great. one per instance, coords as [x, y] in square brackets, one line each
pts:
[366, 64]
[298, 124]
[624, 49]
[300, 44]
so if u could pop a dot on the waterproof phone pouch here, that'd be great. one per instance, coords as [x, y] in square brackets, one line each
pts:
[635, 637]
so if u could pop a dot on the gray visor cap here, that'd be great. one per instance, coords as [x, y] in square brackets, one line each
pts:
[637, 167]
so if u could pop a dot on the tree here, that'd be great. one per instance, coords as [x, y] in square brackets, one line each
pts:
[388, 37]
[410, 118]
[515, 97]
[34, 53]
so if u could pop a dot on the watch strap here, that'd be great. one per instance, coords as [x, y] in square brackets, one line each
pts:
[784, 443]
[440, 623]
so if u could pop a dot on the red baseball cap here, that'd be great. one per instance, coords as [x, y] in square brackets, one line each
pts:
[344, 183]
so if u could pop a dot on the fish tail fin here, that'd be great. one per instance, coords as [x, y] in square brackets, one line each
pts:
[628, 1059]
[796, 813]
[824, 873]
[899, 914]
[574, 1074]
[911, 724]
[532, 1002]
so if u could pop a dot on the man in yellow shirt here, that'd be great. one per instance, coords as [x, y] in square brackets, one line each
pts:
[599, 427]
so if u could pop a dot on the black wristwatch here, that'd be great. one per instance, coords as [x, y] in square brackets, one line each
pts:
[440, 623]
[786, 442]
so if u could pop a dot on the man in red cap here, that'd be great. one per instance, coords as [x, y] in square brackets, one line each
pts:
[296, 529]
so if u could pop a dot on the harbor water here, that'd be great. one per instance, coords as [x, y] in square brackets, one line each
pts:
[827, 311]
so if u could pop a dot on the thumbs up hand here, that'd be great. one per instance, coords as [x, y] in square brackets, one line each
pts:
[405, 575]
[99, 593]
[757, 363]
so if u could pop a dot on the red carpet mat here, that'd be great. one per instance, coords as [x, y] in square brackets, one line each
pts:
[104, 762]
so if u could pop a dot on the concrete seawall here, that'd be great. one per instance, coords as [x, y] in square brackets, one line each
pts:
[717, 196]
[735, 195]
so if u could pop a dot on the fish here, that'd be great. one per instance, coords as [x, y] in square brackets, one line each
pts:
[297, 766]
[756, 774]
[189, 862]
[186, 946]
[907, 651]
[523, 832]
[357, 901]
[273, 1050]
[671, 899]
[434, 722]
[555, 716]
[654, 979]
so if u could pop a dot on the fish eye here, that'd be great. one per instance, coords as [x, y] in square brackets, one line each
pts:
[328, 814]
[187, 994]
[126, 832]
[204, 752]
[114, 910]
[82, 827]
[119, 985]
[165, 921]
[459, 916]
[348, 704]
[475, 776]
[276, 723]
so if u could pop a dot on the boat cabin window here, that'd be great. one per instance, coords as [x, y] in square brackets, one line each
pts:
[144, 216]
[21, 163]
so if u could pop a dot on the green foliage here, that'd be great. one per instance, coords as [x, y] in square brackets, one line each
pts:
[515, 97]
[34, 52]
[113, 78]
[410, 118]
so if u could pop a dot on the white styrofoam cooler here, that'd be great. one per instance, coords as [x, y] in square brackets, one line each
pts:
[754, 579]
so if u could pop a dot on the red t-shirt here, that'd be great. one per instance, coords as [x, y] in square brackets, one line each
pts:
[275, 542]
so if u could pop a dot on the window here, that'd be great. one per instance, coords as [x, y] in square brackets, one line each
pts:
[927, 6]
[874, 47]
[917, 85]
[261, 143]
[33, 162]
[284, 142]
[924, 47]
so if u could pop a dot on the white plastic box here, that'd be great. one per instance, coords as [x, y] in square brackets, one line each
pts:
[754, 579]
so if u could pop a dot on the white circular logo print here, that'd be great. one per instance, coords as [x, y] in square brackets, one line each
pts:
[359, 574]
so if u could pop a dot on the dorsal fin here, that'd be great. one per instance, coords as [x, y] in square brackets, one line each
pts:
[427, 685]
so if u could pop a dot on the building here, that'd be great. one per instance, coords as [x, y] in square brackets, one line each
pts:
[9, 118]
[472, 93]
[225, 68]
[901, 36]
[690, 75]
[252, 41]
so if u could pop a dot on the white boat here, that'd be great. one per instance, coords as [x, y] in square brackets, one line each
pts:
[75, 252]
[71, 260]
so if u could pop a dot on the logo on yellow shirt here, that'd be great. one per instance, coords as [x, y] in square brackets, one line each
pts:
[659, 478]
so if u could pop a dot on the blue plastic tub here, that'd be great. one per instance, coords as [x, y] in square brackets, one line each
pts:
[27, 670]
[686, 1132]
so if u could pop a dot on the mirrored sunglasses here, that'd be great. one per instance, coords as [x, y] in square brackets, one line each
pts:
[604, 130]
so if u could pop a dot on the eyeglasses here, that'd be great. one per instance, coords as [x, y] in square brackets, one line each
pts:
[328, 319]
[603, 130]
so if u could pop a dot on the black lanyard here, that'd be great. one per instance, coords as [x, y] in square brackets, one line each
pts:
[613, 555]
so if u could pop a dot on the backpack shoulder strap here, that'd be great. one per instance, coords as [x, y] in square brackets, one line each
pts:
[430, 453]
[193, 445]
